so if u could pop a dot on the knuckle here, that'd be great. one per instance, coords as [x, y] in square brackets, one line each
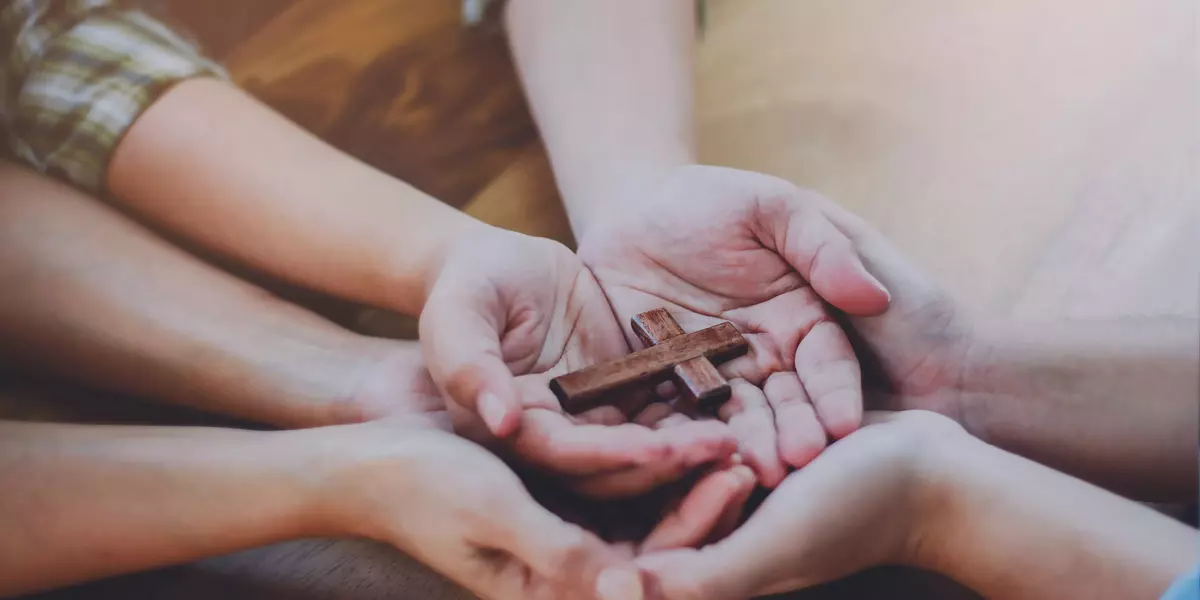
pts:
[569, 553]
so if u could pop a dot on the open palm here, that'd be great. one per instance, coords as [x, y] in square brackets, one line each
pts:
[507, 313]
[720, 244]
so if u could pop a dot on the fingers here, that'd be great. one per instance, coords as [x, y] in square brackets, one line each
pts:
[801, 436]
[751, 420]
[823, 255]
[688, 574]
[551, 440]
[754, 558]
[705, 512]
[692, 444]
[460, 336]
[830, 374]
[560, 552]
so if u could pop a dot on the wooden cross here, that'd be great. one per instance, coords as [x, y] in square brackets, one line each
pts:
[687, 358]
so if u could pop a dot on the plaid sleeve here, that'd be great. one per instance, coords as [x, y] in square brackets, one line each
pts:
[77, 73]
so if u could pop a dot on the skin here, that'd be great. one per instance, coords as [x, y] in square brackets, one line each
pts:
[318, 218]
[713, 243]
[411, 479]
[707, 243]
[1058, 392]
[70, 515]
[151, 321]
[243, 353]
[934, 497]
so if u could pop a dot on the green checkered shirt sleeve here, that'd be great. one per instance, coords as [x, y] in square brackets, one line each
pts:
[77, 73]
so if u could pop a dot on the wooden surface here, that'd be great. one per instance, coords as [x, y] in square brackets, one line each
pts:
[697, 379]
[1038, 158]
[582, 390]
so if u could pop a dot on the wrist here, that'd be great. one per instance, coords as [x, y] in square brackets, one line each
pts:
[342, 468]
[601, 199]
[418, 260]
[984, 378]
[283, 475]
[313, 464]
[947, 508]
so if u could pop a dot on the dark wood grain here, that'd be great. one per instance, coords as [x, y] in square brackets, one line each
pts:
[697, 379]
[587, 388]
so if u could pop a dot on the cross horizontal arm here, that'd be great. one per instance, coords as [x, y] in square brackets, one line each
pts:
[584, 389]
[697, 379]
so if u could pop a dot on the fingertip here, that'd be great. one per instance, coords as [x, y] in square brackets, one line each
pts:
[743, 477]
[883, 296]
[853, 289]
[764, 462]
[800, 447]
[840, 416]
[772, 474]
[500, 416]
[619, 583]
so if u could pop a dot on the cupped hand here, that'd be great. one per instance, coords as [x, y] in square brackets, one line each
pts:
[867, 500]
[506, 313]
[715, 244]
[456, 508]
[921, 352]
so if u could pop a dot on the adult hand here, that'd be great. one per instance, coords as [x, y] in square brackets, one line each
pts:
[866, 500]
[506, 313]
[920, 353]
[715, 244]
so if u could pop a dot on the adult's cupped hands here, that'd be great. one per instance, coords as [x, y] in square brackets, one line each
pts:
[714, 244]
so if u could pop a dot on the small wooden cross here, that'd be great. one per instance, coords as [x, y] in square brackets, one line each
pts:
[687, 358]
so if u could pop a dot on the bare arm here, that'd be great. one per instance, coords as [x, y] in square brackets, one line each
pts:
[912, 488]
[1065, 538]
[211, 164]
[1113, 402]
[94, 297]
[610, 84]
[83, 502]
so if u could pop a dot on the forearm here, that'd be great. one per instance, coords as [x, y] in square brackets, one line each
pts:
[94, 297]
[211, 164]
[1010, 528]
[610, 84]
[1113, 402]
[83, 502]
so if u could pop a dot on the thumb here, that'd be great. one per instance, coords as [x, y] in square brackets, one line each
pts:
[460, 332]
[558, 551]
[689, 574]
[823, 256]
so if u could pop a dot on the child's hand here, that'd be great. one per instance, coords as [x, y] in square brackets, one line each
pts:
[451, 505]
[865, 501]
[506, 313]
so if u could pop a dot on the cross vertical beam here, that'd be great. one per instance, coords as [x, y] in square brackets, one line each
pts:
[590, 387]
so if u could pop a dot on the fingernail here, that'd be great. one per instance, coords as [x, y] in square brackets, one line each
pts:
[618, 584]
[874, 281]
[493, 411]
[744, 474]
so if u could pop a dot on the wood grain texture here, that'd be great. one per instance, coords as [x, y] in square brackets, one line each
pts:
[697, 379]
[587, 388]
[402, 85]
